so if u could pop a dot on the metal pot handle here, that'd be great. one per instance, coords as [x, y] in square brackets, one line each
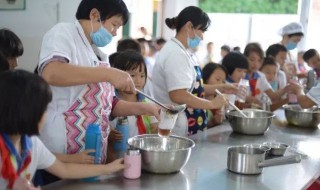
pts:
[280, 161]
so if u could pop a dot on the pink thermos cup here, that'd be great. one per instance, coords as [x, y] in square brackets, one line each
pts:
[133, 158]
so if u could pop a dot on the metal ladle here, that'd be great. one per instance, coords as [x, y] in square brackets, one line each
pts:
[231, 104]
[174, 110]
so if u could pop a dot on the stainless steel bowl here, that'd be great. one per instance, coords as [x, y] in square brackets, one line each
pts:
[162, 154]
[257, 123]
[276, 148]
[297, 116]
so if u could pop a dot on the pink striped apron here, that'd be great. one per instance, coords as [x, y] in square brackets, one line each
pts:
[93, 105]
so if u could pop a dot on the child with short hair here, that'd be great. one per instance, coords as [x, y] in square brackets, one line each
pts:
[214, 74]
[133, 63]
[11, 47]
[312, 58]
[21, 151]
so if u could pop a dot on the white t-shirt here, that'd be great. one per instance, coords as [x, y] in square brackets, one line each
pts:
[314, 94]
[262, 85]
[65, 40]
[174, 69]
[41, 157]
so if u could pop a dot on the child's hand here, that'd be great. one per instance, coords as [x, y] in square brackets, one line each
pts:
[115, 135]
[229, 88]
[218, 116]
[115, 166]
[152, 109]
[84, 157]
[294, 88]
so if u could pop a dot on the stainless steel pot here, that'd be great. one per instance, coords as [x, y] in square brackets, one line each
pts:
[257, 123]
[248, 160]
[299, 117]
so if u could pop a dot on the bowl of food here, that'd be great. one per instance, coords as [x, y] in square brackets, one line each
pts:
[162, 155]
[300, 117]
[257, 121]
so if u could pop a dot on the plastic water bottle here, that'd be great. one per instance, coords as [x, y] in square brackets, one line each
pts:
[132, 158]
[292, 97]
[93, 141]
[265, 102]
[123, 127]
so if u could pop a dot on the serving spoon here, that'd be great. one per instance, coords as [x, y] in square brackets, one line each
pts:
[173, 110]
[231, 104]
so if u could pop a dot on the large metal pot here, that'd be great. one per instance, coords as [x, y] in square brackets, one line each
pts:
[162, 154]
[257, 123]
[297, 116]
[248, 160]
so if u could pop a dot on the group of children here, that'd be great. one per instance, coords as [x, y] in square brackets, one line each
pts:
[266, 73]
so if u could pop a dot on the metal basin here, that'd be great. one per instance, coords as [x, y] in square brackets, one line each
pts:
[162, 154]
[299, 117]
[257, 123]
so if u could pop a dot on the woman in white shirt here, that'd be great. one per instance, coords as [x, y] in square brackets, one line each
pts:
[81, 79]
[177, 75]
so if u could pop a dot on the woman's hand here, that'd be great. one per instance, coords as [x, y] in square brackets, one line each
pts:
[151, 109]
[121, 80]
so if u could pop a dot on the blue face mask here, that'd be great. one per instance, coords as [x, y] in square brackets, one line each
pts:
[193, 43]
[291, 45]
[101, 37]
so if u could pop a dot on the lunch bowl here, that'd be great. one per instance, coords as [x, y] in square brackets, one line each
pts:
[257, 122]
[162, 155]
[276, 148]
[299, 117]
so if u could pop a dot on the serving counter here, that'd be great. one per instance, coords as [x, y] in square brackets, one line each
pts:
[207, 166]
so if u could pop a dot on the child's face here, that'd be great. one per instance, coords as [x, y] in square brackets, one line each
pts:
[314, 62]
[138, 76]
[281, 58]
[270, 71]
[238, 74]
[218, 76]
[255, 62]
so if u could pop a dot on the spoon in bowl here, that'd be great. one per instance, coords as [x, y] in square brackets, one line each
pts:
[231, 104]
[173, 110]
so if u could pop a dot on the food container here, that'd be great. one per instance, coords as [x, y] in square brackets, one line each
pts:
[261, 146]
[247, 160]
[276, 148]
[257, 123]
[299, 117]
[162, 155]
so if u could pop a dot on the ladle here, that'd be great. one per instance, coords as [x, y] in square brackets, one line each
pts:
[234, 106]
[174, 110]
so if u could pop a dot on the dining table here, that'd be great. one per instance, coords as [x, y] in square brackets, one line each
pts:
[207, 166]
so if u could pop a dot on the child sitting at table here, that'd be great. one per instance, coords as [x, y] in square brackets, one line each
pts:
[214, 74]
[133, 63]
[23, 102]
[312, 58]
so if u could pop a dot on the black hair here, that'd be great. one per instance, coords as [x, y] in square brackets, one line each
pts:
[253, 47]
[4, 64]
[107, 9]
[160, 41]
[225, 48]
[199, 19]
[10, 44]
[274, 49]
[308, 54]
[300, 34]
[268, 61]
[127, 44]
[235, 60]
[209, 69]
[237, 49]
[112, 57]
[23, 100]
[129, 60]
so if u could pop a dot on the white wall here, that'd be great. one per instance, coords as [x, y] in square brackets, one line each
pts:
[32, 23]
